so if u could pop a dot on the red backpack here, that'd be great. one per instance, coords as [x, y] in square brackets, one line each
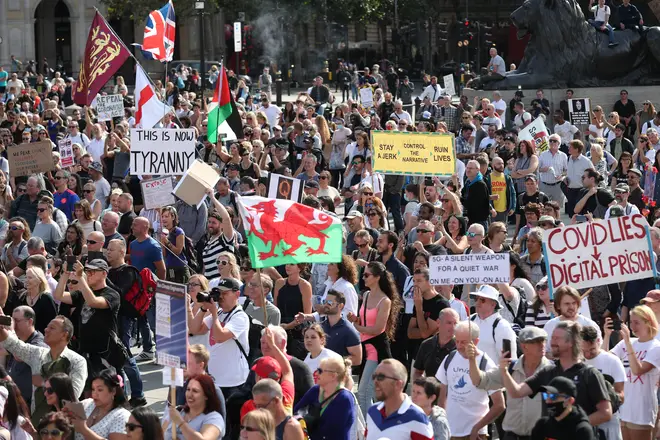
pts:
[138, 298]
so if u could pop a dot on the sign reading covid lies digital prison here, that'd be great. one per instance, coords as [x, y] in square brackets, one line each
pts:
[162, 151]
[598, 253]
[408, 153]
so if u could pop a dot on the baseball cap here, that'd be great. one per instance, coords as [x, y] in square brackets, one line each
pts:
[232, 166]
[542, 282]
[277, 127]
[546, 218]
[530, 177]
[622, 187]
[489, 292]
[651, 297]
[267, 368]
[354, 213]
[311, 184]
[532, 334]
[96, 167]
[228, 284]
[560, 385]
[97, 264]
[616, 211]
[510, 139]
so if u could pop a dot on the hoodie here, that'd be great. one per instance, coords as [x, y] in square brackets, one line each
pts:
[574, 426]
[438, 419]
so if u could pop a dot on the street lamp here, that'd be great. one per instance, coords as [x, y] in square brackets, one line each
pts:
[199, 7]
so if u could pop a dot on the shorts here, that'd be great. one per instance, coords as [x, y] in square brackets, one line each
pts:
[635, 426]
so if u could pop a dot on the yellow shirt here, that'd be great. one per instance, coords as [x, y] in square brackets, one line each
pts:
[499, 187]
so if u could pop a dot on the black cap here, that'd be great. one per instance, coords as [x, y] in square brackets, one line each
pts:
[97, 264]
[311, 184]
[229, 284]
[232, 166]
[560, 385]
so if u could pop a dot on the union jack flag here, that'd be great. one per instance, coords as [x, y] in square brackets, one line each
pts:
[159, 33]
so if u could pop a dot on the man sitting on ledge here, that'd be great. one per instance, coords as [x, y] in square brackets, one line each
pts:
[601, 17]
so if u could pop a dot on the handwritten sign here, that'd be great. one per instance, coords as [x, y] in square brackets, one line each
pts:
[367, 97]
[66, 152]
[408, 153]
[448, 270]
[157, 192]
[162, 151]
[283, 187]
[171, 324]
[598, 253]
[192, 186]
[579, 110]
[537, 133]
[449, 84]
[109, 106]
[28, 159]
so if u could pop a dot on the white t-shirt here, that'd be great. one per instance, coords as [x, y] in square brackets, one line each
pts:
[227, 364]
[609, 364]
[641, 405]
[272, 114]
[313, 364]
[566, 131]
[466, 404]
[485, 143]
[95, 149]
[493, 348]
[497, 63]
[113, 423]
[601, 14]
[500, 107]
[581, 319]
[497, 122]
[630, 209]
[645, 126]
[526, 286]
[404, 115]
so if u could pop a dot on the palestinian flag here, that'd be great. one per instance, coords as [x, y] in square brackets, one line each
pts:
[223, 117]
[285, 232]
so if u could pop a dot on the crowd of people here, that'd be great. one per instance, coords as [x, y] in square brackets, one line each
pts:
[362, 348]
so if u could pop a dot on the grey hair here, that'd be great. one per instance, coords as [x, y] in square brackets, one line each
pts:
[537, 233]
[268, 387]
[35, 243]
[466, 326]
[655, 231]
[27, 312]
[573, 335]
[278, 333]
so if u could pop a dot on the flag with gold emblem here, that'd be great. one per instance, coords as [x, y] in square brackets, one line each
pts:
[104, 54]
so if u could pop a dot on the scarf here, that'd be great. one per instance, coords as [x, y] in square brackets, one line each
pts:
[478, 178]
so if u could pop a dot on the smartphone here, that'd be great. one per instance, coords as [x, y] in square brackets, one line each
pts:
[70, 261]
[616, 325]
[5, 321]
[76, 408]
[580, 218]
[93, 255]
[506, 346]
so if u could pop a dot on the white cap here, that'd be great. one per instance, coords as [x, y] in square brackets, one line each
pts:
[487, 291]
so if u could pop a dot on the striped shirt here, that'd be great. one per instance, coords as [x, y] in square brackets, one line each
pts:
[539, 319]
[408, 423]
[212, 249]
[558, 162]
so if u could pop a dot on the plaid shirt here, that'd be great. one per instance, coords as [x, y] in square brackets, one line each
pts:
[449, 115]
[464, 146]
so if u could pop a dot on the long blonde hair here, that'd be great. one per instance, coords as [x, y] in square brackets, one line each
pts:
[263, 421]
[648, 316]
[233, 265]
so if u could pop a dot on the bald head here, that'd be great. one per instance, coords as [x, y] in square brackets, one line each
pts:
[95, 241]
[110, 223]
[141, 227]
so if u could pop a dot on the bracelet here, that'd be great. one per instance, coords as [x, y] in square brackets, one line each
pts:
[203, 309]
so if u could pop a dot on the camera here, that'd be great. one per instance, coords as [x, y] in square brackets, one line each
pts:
[213, 295]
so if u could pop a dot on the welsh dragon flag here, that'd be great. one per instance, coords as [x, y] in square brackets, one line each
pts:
[285, 232]
[220, 107]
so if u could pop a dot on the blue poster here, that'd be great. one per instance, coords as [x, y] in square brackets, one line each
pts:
[171, 325]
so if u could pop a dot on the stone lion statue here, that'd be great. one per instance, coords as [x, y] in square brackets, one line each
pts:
[566, 51]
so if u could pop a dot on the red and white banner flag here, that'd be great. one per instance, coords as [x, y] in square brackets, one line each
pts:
[150, 110]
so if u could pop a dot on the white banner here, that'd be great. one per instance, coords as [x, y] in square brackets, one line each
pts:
[598, 253]
[537, 133]
[162, 151]
[449, 84]
[238, 44]
[66, 152]
[469, 269]
[109, 106]
[157, 192]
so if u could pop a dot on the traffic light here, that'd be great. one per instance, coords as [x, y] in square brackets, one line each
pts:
[464, 34]
[486, 36]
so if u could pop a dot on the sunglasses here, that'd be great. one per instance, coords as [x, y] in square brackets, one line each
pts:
[367, 194]
[59, 177]
[87, 191]
[554, 141]
[51, 432]
[372, 214]
[132, 426]
[472, 234]
[249, 428]
[423, 231]
[356, 163]
[194, 285]
[223, 262]
[15, 228]
[541, 286]
[49, 390]
[379, 377]
[321, 371]
[361, 245]
[41, 209]
[323, 177]
[92, 242]
[552, 396]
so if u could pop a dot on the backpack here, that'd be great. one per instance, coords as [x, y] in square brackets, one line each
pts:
[450, 356]
[255, 330]
[520, 313]
[191, 255]
[138, 298]
[614, 398]
[495, 324]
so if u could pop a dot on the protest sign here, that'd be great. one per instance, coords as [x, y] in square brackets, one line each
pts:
[537, 133]
[28, 159]
[109, 106]
[449, 84]
[192, 186]
[598, 253]
[171, 324]
[367, 97]
[469, 269]
[283, 187]
[157, 192]
[162, 151]
[579, 110]
[66, 152]
[408, 153]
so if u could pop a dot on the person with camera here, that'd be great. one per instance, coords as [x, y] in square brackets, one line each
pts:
[228, 325]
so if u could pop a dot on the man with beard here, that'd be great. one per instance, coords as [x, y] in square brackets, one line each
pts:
[621, 194]
[386, 108]
[502, 190]
[221, 237]
[567, 303]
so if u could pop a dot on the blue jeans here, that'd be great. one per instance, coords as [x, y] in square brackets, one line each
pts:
[366, 387]
[609, 29]
[145, 324]
[131, 368]
[393, 203]
[354, 92]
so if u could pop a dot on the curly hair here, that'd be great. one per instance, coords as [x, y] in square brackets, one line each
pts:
[347, 269]
[388, 286]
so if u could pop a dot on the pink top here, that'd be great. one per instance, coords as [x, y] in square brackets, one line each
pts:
[371, 314]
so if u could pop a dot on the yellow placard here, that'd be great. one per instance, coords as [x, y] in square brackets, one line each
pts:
[428, 154]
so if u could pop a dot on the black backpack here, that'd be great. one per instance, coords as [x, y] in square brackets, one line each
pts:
[613, 396]
[519, 314]
[255, 330]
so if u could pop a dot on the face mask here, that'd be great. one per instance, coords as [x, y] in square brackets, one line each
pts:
[555, 408]
[406, 198]
[340, 127]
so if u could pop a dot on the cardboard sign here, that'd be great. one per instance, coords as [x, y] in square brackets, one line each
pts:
[28, 159]
[171, 324]
[449, 84]
[283, 187]
[192, 186]
[579, 111]
[537, 133]
[162, 151]
[469, 269]
[598, 253]
[367, 97]
[408, 153]
[157, 192]
[66, 152]
[109, 106]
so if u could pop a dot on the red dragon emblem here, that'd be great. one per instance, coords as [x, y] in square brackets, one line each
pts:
[299, 220]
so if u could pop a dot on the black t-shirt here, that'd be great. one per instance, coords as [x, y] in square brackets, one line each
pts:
[410, 252]
[591, 388]
[432, 307]
[604, 196]
[430, 355]
[525, 199]
[125, 223]
[96, 324]
[45, 310]
[574, 426]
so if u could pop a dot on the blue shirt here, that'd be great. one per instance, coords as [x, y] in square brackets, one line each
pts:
[65, 201]
[340, 336]
[146, 254]
[337, 418]
[3, 79]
